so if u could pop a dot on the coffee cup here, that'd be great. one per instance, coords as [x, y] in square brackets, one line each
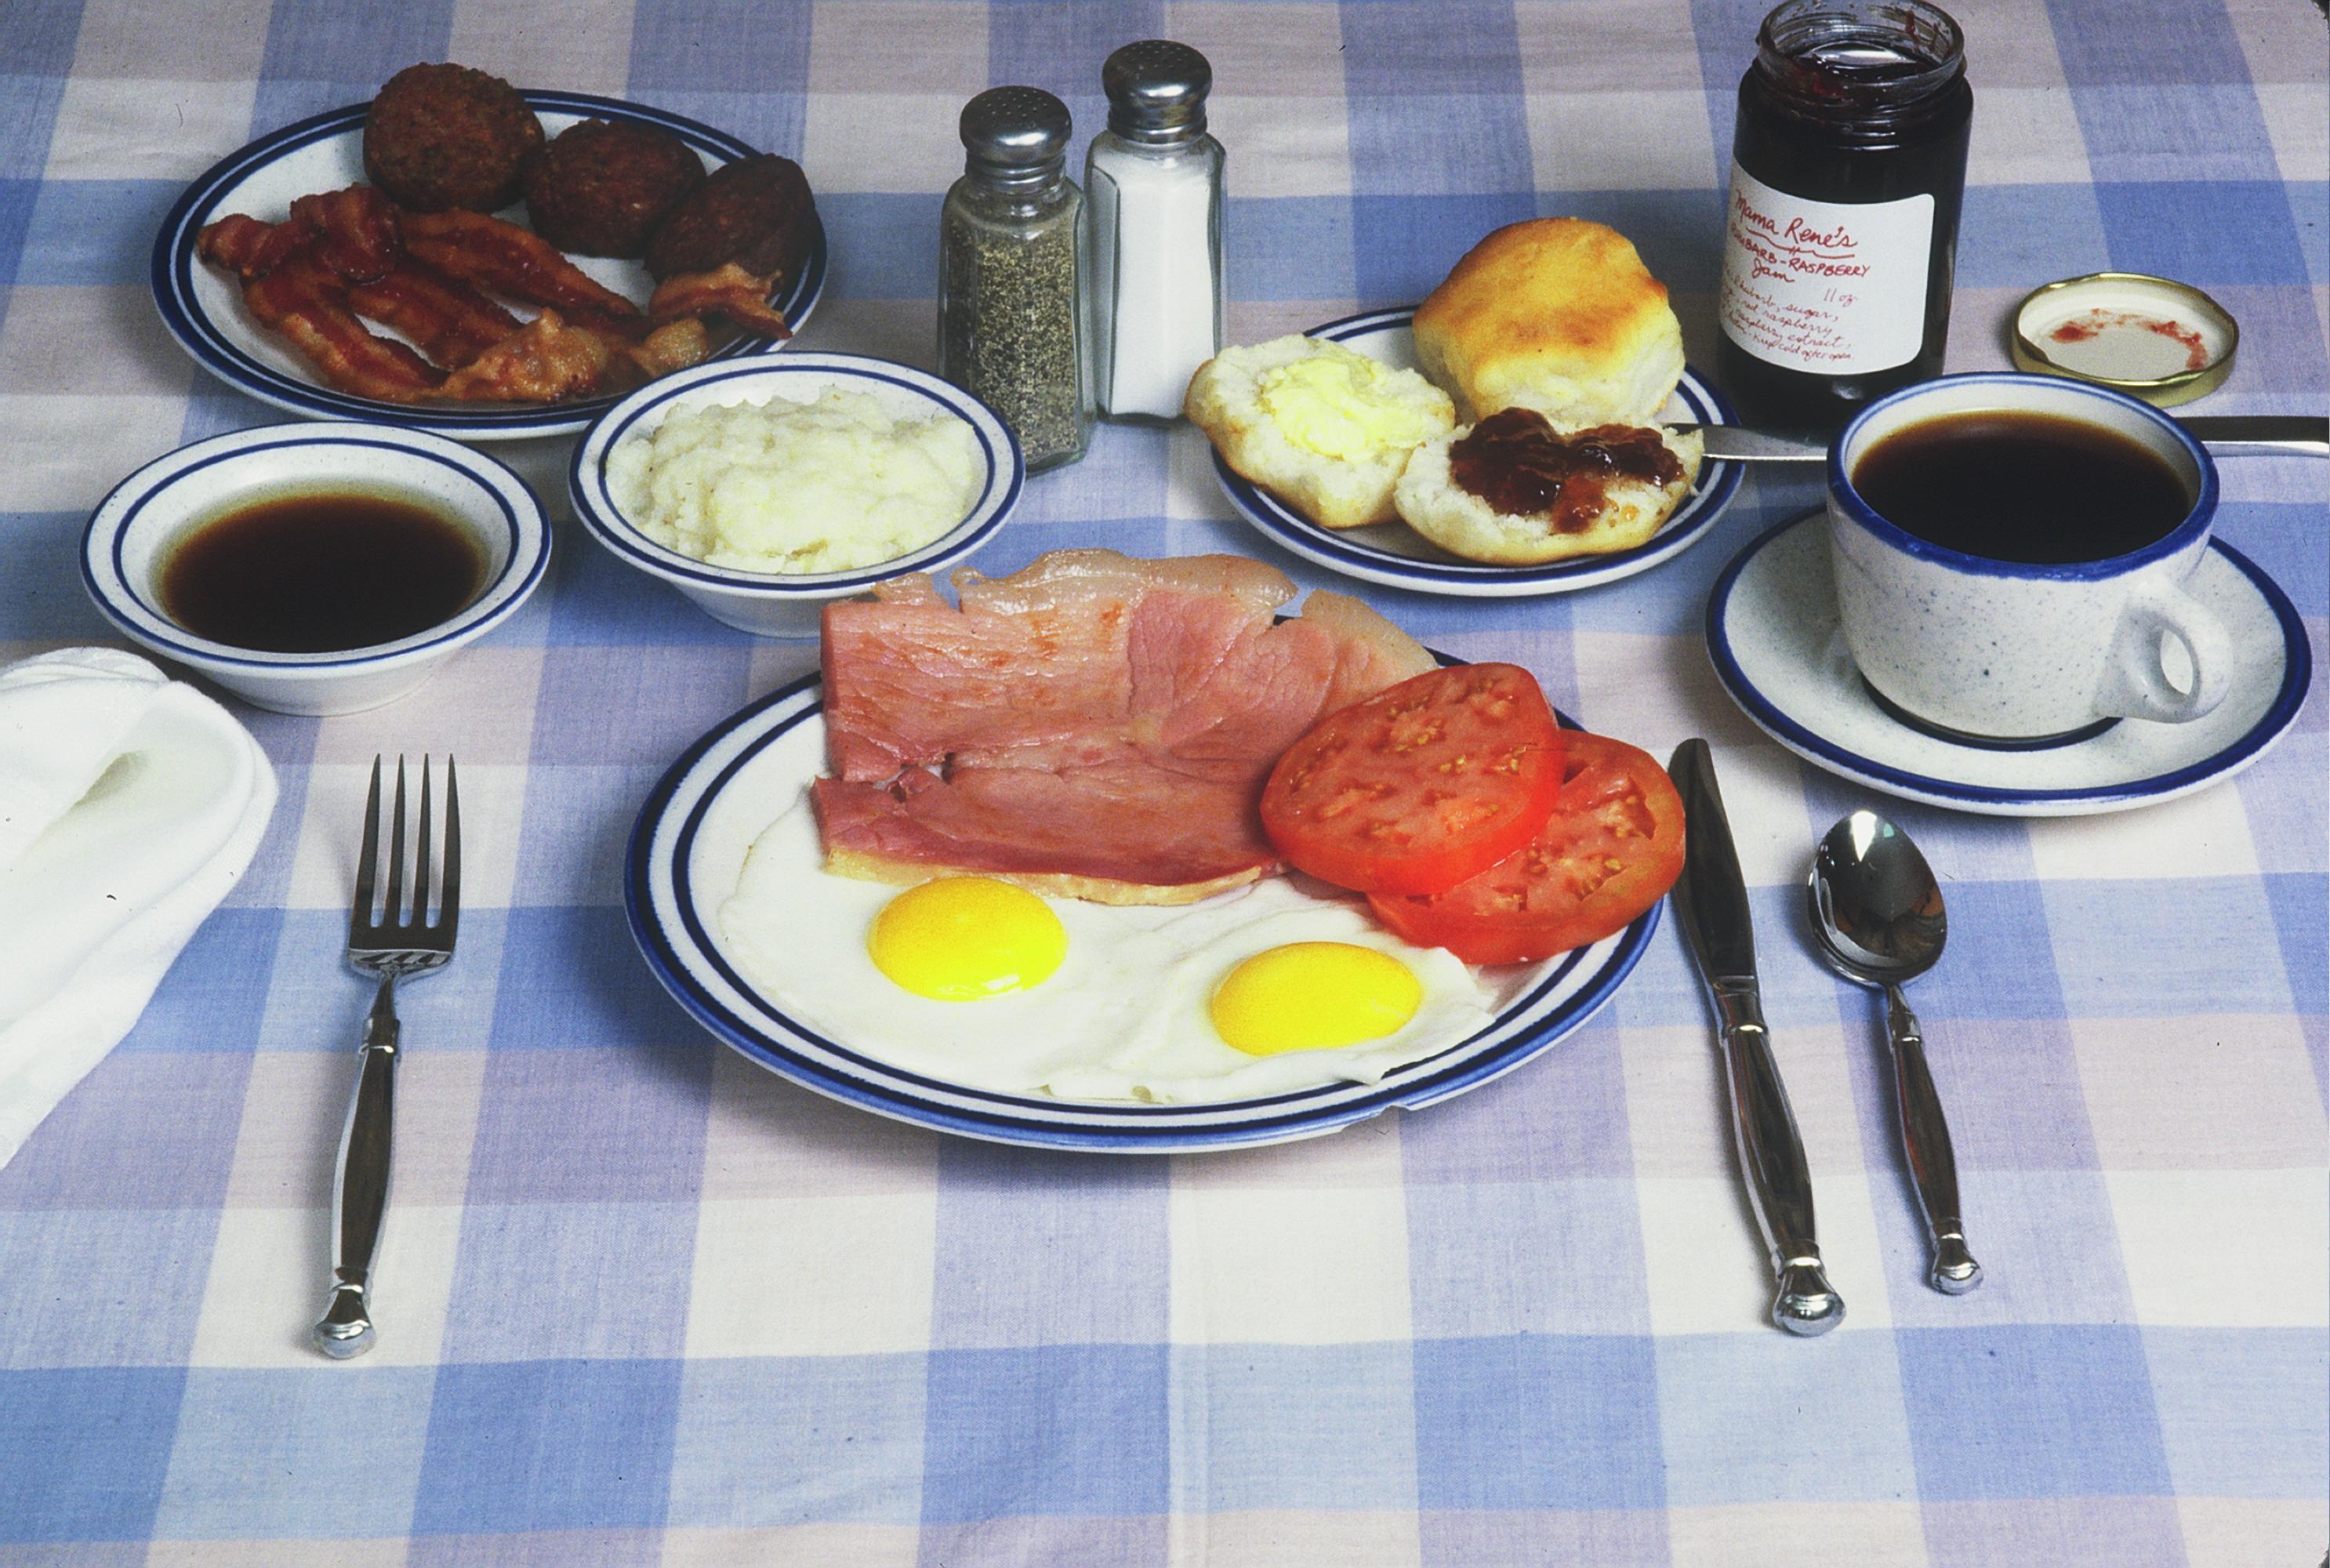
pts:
[2011, 554]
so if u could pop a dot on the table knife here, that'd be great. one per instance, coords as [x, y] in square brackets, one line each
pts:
[2225, 435]
[1710, 901]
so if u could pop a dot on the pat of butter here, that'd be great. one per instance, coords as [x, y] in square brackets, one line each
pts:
[1339, 404]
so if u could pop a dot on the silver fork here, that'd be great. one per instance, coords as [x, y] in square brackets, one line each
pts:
[393, 944]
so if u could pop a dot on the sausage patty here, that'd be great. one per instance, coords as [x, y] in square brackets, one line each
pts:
[445, 136]
[601, 188]
[756, 212]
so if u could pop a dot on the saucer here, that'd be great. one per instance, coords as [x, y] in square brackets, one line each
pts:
[1773, 631]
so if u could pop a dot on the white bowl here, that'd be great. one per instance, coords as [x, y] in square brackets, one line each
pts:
[776, 604]
[134, 530]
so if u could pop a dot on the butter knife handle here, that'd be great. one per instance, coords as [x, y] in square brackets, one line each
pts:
[1772, 1158]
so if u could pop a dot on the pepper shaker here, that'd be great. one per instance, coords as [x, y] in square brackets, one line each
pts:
[1154, 179]
[1011, 332]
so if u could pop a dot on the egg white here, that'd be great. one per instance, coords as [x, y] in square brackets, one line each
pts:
[1125, 1017]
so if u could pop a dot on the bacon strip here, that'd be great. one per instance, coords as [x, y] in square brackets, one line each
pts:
[729, 291]
[356, 233]
[243, 245]
[540, 363]
[492, 254]
[309, 305]
[452, 321]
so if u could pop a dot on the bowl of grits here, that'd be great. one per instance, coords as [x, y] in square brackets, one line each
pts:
[765, 489]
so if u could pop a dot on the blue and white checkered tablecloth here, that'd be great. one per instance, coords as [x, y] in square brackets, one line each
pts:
[646, 1303]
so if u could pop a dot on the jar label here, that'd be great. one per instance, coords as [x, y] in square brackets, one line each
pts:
[1833, 287]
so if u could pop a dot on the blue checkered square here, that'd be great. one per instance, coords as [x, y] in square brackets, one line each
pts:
[2032, 1411]
[1538, 1421]
[87, 1448]
[596, 1452]
[2242, 1410]
[1062, 1429]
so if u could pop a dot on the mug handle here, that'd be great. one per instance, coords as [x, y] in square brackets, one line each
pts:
[2135, 684]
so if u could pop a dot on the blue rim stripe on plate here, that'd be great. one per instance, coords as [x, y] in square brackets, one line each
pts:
[595, 507]
[2297, 668]
[174, 264]
[1720, 481]
[507, 590]
[656, 876]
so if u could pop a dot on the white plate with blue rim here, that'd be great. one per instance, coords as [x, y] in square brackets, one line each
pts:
[203, 306]
[688, 849]
[772, 604]
[1773, 634]
[1397, 556]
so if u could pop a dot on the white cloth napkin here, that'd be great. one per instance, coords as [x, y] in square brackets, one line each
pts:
[129, 806]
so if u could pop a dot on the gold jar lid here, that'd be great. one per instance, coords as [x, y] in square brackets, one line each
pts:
[2151, 337]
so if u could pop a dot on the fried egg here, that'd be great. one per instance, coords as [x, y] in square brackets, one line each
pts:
[1263, 990]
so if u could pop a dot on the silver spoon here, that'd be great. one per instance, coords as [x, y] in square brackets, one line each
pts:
[1877, 912]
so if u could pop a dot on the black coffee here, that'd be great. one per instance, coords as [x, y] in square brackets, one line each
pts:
[2029, 488]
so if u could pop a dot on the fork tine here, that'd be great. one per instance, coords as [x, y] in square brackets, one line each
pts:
[367, 858]
[450, 901]
[393, 913]
[420, 853]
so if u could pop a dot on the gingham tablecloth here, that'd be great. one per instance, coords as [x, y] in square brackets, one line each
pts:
[644, 1302]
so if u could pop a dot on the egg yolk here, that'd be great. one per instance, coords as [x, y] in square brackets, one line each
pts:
[962, 939]
[1313, 995]
[1337, 405]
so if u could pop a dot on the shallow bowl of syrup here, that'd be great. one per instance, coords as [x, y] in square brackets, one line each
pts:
[319, 567]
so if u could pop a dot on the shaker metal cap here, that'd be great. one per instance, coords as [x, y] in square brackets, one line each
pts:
[1015, 134]
[1157, 91]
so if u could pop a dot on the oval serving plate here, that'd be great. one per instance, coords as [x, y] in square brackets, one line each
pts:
[1395, 555]
[203, 306]
[688, 845]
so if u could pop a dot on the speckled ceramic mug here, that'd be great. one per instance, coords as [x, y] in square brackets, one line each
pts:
[2015, 653]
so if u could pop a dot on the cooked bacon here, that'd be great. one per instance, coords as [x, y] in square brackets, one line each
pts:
[541, 363]
[244, 245]
[508, 260]
[1073, 707]
[729, 291]
[356, 233]
[452, 321]
[308, 303]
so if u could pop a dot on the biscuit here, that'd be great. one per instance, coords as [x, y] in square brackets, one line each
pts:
[1559, 315]
[1432, 503]
[1324, 429]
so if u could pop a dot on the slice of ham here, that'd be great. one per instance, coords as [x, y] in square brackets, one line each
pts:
[1093, 725]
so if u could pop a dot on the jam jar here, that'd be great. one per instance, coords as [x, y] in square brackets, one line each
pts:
[1841, 229]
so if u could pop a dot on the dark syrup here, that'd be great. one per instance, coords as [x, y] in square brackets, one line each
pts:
[321, 571]
[2026, 487]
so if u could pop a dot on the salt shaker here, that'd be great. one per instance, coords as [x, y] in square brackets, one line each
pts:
[1010, 331]
[1155, 182]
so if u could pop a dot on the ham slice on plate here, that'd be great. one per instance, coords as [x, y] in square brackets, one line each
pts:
[1093, 725]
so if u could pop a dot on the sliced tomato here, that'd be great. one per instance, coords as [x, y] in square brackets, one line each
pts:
[1611, 849]
[1421, 786]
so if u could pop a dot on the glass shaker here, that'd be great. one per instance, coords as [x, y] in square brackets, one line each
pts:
[1154, 178]
[1010, 330]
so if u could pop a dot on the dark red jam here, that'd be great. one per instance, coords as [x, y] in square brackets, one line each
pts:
[1513, 461]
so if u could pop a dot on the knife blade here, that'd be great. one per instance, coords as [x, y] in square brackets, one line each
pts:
[2225, 435]
[1711, 901]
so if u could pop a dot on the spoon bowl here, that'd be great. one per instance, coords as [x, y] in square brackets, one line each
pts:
[1876, 917]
